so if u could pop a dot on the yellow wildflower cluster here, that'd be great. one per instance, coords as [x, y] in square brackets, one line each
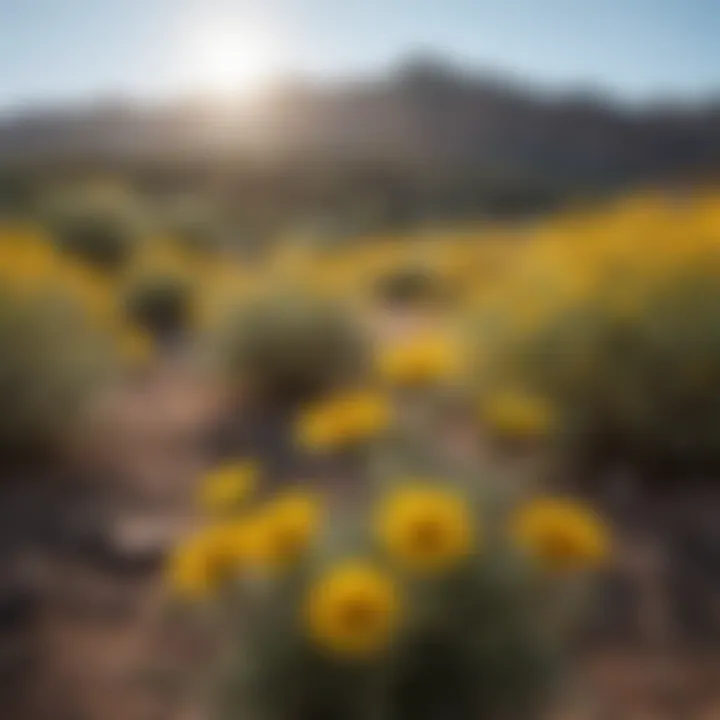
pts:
[243, 534]
[209, 558]
[501, 287]
[31, 267]
[343, 420]
[227, 487]
[283, 530]
[423, 527]
[419, 360]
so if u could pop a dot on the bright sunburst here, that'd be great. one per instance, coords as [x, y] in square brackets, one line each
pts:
[232, 58]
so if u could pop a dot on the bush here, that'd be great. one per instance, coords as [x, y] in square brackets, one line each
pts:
[52, 358]
[290, 345]
[161, 302]
[432, 599]
[616, 322]
[198, 236]
[100, 233]
[411, 286]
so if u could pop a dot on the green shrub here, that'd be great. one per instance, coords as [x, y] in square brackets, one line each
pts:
[290, 346]
[196, 233]
[638, 386]
[160, 302]
[102, 234]
[485, 634]
[51, 358]
[411, 286]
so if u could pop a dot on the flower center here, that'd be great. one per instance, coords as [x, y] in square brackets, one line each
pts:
[358, 614]
[427, 534]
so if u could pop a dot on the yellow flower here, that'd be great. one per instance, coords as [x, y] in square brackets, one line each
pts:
[225, 488]
[343, 420]
[317, 428]
[365, 414]
[207, 559]
[561, 533]
[517, 414]
[419, 361]
[353, 609]
[426, 528]
[283, 530]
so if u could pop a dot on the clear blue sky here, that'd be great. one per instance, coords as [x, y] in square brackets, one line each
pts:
[51, 50]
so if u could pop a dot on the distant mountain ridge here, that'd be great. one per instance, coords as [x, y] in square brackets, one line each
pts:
[454, 128]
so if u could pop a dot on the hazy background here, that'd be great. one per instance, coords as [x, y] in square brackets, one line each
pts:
[364, 115]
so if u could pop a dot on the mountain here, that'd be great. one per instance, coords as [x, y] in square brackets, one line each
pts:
[443, 136]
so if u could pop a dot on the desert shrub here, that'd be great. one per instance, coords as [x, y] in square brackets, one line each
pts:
[19, 195]
[410, 286]
[195, 229]
[52, 358]
[160, 301]
[290, 345]
[101, 233]
[615, 321]
[432, 595]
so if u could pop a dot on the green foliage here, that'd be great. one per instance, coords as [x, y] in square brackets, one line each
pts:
[160, 302]
[271, 650]
[18, 195]
[410, 286]
[195, 229]
[485, 640]
[638, 385]
[102, 234]
[50, 359]
[291, 344]
[480, 646]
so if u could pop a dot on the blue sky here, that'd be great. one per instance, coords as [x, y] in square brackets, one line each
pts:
[53, 50]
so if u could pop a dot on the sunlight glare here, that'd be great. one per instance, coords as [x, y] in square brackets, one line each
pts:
[232, 58]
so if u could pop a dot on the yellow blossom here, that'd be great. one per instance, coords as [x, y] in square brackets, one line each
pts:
[561, 533]
[207, 559]
[426, 527]
[343, 420]
[420, 360]
[225, 488]
[283, 530]
[353, 609]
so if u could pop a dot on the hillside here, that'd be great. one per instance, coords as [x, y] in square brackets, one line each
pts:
[438, 136]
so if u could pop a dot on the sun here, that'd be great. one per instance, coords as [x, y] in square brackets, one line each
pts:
[232, 59]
